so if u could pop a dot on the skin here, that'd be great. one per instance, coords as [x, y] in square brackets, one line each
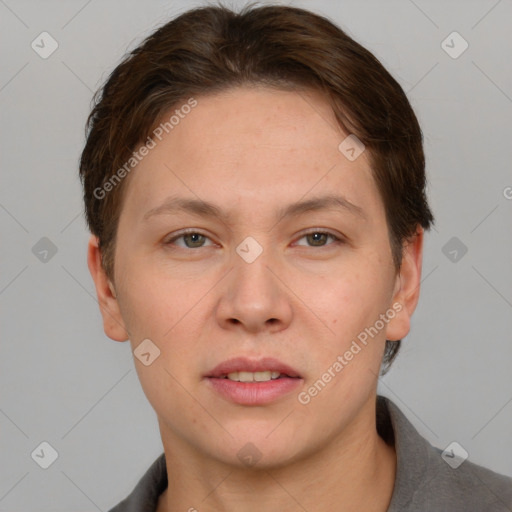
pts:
[252, 150]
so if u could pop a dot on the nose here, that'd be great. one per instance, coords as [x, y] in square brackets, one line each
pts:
[254, 297]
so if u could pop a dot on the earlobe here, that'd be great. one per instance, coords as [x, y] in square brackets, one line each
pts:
[407, 287]
[113, 323]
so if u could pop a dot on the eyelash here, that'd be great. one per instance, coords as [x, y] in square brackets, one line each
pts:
[337, 240]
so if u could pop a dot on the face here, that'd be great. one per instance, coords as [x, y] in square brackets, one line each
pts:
[257, 278]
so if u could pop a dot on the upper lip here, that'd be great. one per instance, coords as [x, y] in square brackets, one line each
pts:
[243, 364]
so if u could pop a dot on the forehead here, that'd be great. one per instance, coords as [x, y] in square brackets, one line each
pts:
[250, 144]
[272, 120]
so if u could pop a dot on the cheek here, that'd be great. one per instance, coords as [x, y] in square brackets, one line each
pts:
[351, 305]
[352, 300]
[353, 352]
[152, 302]
[163, 311]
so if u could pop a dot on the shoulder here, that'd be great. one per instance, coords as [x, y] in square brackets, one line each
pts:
[144, 497]
[469, 486]
[429, 479]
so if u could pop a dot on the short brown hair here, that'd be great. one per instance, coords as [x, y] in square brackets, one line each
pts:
[213, 48]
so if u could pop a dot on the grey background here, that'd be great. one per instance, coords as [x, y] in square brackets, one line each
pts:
[63, 381]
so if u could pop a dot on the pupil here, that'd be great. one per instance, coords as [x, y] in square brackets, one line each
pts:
[194, 236]
[315, 237]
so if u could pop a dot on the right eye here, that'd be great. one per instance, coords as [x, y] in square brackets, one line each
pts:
[192, 239]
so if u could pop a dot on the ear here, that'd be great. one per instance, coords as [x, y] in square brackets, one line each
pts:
[407, 287]
[113, 323]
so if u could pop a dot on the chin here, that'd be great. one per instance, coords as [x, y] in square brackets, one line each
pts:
[256, 449]
[260, 458]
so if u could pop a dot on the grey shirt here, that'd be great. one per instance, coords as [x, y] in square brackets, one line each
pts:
[425, 482]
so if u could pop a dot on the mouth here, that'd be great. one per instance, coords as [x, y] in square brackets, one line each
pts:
[249, 382]
[263, 376]
[242, 369]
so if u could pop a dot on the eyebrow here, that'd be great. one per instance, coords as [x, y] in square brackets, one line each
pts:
[175, 204]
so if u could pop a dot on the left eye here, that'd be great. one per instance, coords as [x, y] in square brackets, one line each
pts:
[318, 237]
[193, 236]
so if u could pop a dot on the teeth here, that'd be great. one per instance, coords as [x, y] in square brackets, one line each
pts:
[253, 376]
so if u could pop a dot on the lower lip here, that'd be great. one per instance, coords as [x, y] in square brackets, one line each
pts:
[254, 393]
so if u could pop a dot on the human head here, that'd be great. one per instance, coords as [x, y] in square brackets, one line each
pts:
[211, 49]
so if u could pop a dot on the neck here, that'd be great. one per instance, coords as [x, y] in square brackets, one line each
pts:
[352, 472]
